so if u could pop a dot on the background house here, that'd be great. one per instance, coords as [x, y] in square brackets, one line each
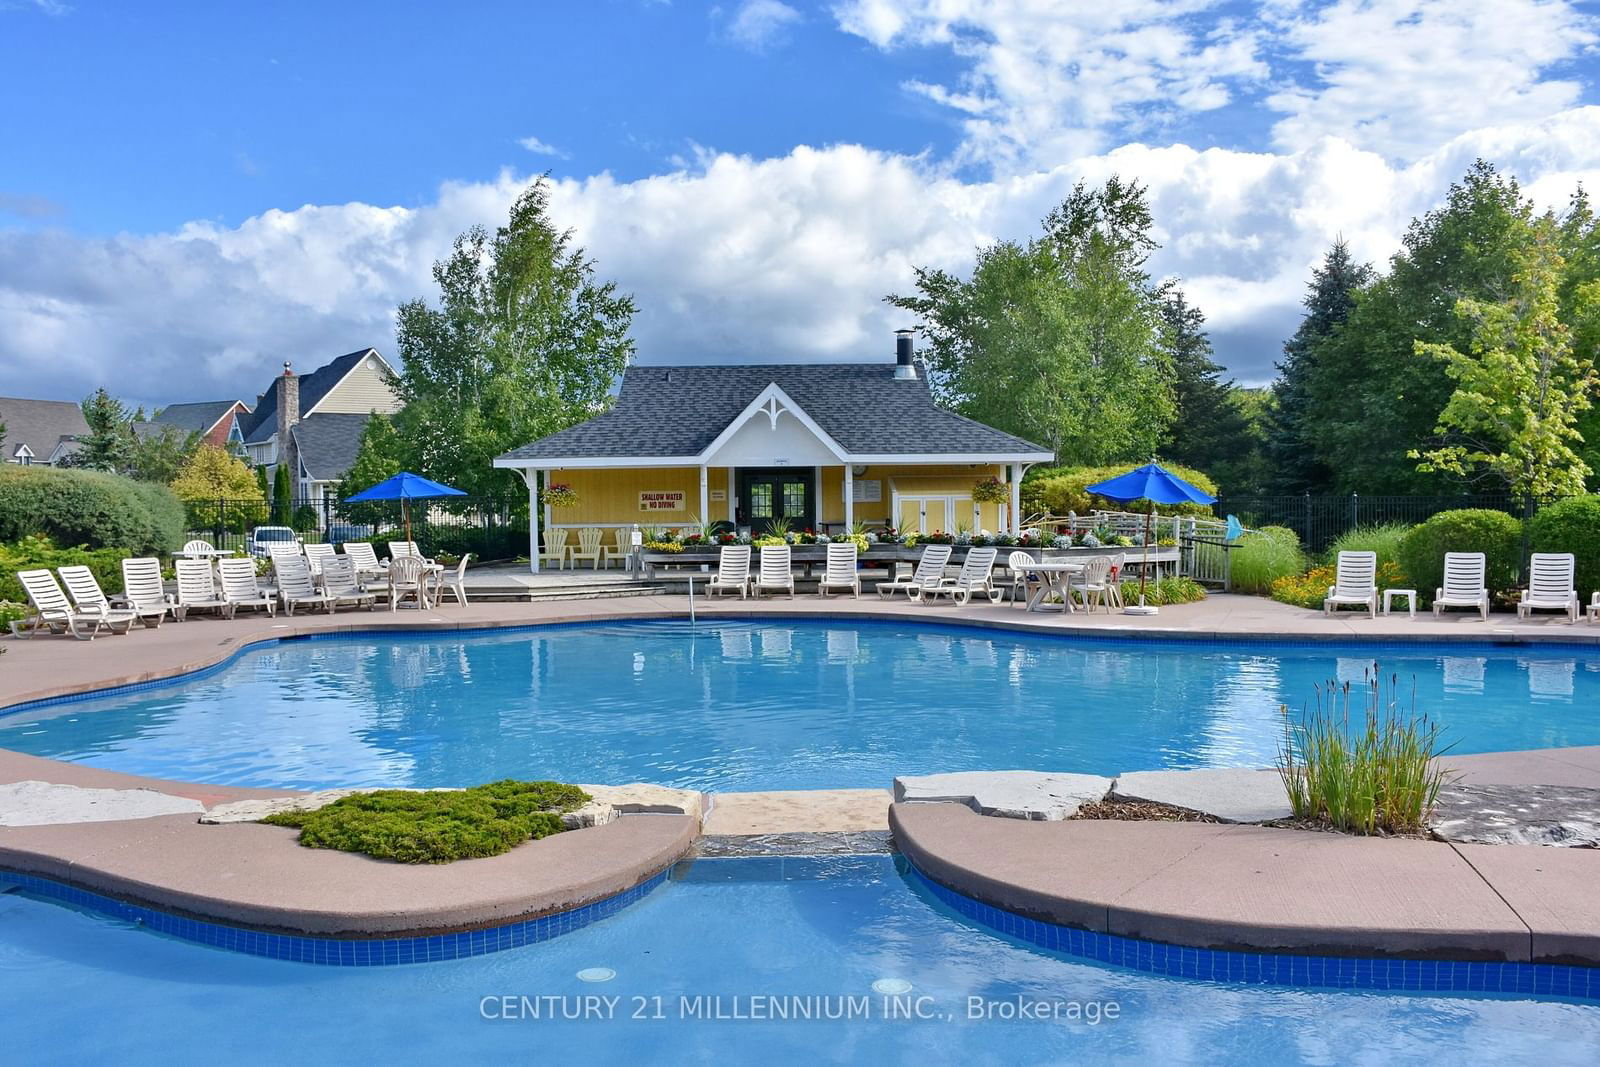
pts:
[218, 422]
[313, 422]
[40, 431]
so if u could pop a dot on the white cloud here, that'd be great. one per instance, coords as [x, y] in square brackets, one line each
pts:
[760, 24]
[542, 148]
[731, 258]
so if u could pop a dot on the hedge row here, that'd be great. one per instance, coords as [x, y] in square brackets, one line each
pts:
[1058, 490]
[88, 508]
[31, 553]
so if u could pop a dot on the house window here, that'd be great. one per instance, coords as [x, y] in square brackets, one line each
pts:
[761, 500]
[794, 498]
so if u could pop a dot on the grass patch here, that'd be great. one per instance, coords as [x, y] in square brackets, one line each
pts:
[438, 826]
[1260, 558]
[1377, 776]
[1383, 539]
[1169, 590]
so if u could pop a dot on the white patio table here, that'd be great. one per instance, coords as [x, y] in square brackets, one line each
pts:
[1055, 579]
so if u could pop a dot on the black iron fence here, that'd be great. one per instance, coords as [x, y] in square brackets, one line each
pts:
[1319, 520]
[488, 528]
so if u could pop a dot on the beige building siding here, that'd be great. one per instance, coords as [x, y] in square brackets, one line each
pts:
[943, 481]
[363, 390]
[612, 496]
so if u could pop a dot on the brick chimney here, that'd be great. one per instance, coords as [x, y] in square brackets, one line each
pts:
[289, 416]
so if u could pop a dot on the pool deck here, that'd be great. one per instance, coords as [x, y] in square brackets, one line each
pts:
[1203, 885]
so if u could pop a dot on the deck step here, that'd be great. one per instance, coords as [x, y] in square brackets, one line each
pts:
[598, 591]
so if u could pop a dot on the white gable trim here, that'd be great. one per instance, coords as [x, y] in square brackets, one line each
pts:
[357, 365]
[773, 403]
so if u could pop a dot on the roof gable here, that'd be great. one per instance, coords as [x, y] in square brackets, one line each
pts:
[680, 412]
[199, 417]
[313, 387]
[41, 425]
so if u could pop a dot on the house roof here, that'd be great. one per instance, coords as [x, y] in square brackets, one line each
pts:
[198, 417]
[678, 412]
[328, 443]
[39, 424]
[263, 422]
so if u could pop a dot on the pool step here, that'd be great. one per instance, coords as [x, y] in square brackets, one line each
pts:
[596, 591]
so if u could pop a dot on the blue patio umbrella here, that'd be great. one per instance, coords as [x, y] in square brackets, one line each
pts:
[405, 487]
[1156, 484]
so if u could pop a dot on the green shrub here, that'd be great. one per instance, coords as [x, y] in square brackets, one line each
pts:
[90, 508]
[437, 826]
[1169, 590]
[1384, 539]
[1380, 777]
[1058, 490]
[1494, 533]
[34, 552]
[1310, 589]
[1261, 557]
[1573, 525]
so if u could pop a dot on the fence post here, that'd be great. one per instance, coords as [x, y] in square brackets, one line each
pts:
[222, 515]
[1355, 510]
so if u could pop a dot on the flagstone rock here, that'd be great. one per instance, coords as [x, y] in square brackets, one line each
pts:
[1036, 795]
[1232, 794]
[1566, 816]
[33, 803]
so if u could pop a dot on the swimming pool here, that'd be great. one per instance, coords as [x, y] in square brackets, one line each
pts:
[735, 705]
[693, 957]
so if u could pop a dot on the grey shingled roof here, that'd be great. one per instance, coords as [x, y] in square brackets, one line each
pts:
[678, 411]
[263, 423]
[39, 424]
[194, 418]
[328, 443]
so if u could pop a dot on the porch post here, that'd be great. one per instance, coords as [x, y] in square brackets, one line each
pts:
[1016, 498]
[849, 498]
[705, 495]
[733, 503]
[549, 522]
[531, 476]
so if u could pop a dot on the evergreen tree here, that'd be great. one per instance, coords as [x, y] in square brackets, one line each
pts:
[282, 495]
[1210, 431]
[1293, 462]
[261, 482]
[108, 444]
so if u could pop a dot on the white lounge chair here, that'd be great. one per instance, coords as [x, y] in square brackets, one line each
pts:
[145, 591]
[285, 553]
[318, 554]
[841, 572]
[240, 587]
[1355, 582]
[401, 549]
[295, 585]
[456, 584]
[1094, 584]
[1463, 584]
[365, 558]
[343, 586]
[588, 547]
[777, 571]
[733, 571]
[974, 577]
[1550, 585]
[555, 547]
[52, 611]
[929, 573]
[197, 588]
[86, 593]
[408, 578]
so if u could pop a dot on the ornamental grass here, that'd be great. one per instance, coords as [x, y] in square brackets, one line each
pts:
[1360, 763]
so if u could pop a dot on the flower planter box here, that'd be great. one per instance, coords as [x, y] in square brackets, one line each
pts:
[887, 556]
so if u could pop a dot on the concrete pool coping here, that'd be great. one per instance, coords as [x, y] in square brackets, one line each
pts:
[257, 876]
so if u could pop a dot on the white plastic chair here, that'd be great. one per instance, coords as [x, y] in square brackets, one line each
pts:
[198, 549]
[197, 588]
[974, 578]
[777, 571]
[841, 572]
[317, 554]
[1463, 584]
[365, 557]
[145, 591]
[402, 549]
[342, 584]
[286, 552]
[1022, 586]
[1550, 585]
[52, 611]
[1594, 608]
[408, 578]
[1355, 582]
[929, 573]
[456, 584]
[90, 599]
[240, 587]
[1094, 584]
[733, 571]
[296, 586]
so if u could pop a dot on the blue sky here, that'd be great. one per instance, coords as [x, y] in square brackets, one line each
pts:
[192, 192]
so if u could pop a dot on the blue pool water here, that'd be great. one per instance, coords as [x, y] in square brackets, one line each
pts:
[734, 705]
[77, 988]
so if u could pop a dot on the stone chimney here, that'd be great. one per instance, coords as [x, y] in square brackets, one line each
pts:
[288, 417]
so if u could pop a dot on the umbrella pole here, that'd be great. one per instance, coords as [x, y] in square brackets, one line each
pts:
[405, 512]
[1145, 569]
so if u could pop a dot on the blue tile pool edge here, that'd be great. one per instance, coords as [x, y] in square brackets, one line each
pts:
[1384, 974]
[332, 951]
[1420, 643]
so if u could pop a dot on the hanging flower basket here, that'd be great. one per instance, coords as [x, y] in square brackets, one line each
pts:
[561, 496]
[991, 491]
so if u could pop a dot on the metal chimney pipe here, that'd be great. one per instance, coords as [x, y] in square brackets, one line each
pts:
[904, 355]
